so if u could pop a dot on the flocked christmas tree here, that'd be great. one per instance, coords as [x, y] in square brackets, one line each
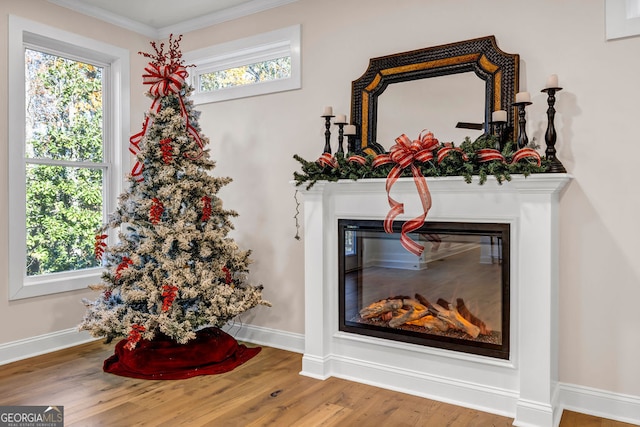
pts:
[173, 269]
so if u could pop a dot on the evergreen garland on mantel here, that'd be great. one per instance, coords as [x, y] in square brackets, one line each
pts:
[452, 165]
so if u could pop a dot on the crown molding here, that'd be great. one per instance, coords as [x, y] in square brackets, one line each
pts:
[200, 22]
[225, 15]
[110, 17]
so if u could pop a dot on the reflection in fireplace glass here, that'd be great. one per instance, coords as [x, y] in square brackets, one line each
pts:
[454, 296]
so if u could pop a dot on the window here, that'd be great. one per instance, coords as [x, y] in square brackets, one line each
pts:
[266, 63]
[67, 120]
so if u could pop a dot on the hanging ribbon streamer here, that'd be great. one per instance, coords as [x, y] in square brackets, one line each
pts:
[135, 335]
[167, 150]
[206, 208]
[164, 80]
[156, 210]
[168, 296]
[99, 246]
[404, 154]
[126, 262]
[227, 276]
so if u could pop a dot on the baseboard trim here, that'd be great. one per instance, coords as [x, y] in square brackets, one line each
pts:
[266, 336]
[577, 398]
[42, 344]
[601, 403]
[487, 399]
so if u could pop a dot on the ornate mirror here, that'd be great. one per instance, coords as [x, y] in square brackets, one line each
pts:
[474, 78]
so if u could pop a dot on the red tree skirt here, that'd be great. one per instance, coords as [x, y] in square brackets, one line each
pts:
[211, 352]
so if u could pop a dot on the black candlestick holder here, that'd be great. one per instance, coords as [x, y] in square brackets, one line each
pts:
[523, 140]
[555, 165]
[340, 136]
[327, 134]
[498, 129]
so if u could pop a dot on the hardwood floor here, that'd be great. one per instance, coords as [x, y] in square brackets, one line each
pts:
[265, 391]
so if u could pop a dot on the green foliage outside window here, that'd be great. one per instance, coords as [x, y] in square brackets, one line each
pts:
[273, 69]
[63, 127]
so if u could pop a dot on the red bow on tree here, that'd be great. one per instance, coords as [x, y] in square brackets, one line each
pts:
[164, 80]
[405, 154]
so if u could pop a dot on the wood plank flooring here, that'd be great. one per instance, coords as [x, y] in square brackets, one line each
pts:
[265, 391]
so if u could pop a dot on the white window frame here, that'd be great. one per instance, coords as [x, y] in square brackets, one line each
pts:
[25, 33]
[262, 47]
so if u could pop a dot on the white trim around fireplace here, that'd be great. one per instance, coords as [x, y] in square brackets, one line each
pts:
[525, 386]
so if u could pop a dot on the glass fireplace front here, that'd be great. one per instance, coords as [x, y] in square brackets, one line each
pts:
[454, 296]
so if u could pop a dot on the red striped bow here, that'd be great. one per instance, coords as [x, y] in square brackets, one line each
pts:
[404, 154]
[164, 80]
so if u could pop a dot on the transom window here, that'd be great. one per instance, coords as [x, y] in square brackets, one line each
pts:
[265, 63]
[264, 71]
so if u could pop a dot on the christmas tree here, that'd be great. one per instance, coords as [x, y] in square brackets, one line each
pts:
[173, 269]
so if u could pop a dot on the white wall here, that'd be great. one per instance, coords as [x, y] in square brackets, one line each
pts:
[254, 139]
[27, 318]
[598, 142]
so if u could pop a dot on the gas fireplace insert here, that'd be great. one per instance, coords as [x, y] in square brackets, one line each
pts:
[454, 296]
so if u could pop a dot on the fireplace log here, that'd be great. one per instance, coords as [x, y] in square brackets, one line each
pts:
[431, 322]
[421, 312]
[423, 301]
[381, 307]
[464, 312]
[455, 319]
[415, 312]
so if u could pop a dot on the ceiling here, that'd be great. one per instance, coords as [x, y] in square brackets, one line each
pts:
[159, 18]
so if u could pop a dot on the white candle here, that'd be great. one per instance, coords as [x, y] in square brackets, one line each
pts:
[350, 130]
[499, 116]
[523, 97]
[552, 81]
[328, 111]
[340, 118]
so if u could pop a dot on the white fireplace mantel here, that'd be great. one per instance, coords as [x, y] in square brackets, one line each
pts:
[523, 387]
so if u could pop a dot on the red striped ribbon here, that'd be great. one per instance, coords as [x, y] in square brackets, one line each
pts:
[489, 154]
[447, 150]
[168, 296]
[404, 154]
[357, 159]
[524, 153]
[135, 335]
[164, 80]
[327, 160]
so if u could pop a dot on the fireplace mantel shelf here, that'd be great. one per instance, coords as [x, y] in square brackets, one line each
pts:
[542, 182]
[525, 386]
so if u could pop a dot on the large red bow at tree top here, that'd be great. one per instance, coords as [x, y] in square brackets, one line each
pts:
[405, 153]
[165, 80]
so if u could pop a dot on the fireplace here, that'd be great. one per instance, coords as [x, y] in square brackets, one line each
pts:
[518, 381]
[454, 296]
